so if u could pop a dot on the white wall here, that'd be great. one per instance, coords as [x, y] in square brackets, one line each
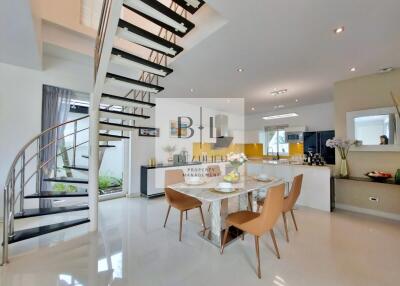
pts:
[315, 117]
[21, 99]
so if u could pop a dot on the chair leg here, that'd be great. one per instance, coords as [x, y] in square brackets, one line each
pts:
[224, 240]
[294, 220]
[250, 201]
[257, 243]
[258, 208]
[202, 219]
[209, 207]
[180, 227]
[186, 215]
[275, 244]
[243, 235]
[286, 228]
[166, 218]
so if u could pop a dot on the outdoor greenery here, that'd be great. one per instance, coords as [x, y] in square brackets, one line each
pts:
[61, 187]
[105, 182]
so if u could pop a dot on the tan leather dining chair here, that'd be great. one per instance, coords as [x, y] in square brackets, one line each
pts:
[259, 223]
[288, 203]
[180, 201]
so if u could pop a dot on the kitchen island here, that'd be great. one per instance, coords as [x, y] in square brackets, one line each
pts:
[317, 180]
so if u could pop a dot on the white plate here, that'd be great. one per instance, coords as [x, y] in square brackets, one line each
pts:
[195, 183]
[264, 179]
[225, 190]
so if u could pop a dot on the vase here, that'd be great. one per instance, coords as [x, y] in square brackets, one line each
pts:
[344, 169]
[397, 177]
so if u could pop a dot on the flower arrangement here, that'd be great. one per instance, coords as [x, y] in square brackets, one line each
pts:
[341, 145]
[237, 159]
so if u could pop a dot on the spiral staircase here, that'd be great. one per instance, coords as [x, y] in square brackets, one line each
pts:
[112, 117]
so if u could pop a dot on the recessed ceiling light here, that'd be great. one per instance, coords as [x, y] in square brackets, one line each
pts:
[353, 69]
[239, 70]
[253, 108]
[276, 92]
[339, 30]
[297, 100]
[286, 115]
[388, 69]
[192, 90]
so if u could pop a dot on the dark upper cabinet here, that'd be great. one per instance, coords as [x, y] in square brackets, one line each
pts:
[316, 142]
[310, 142]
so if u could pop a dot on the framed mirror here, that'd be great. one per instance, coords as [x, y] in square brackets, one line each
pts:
[376, 129]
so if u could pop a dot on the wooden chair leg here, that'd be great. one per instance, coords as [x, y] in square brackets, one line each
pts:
[166, 218]
[180, 226]
[202, 219]
[294, 220]
[275, 244]
[286, 228]
[257, 243]
[224, 240]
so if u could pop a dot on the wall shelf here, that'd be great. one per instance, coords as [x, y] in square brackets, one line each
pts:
[368, 180]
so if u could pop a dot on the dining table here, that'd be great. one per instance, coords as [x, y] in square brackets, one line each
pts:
[238, 196]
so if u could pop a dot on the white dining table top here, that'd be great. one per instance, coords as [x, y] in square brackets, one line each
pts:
[207, 192]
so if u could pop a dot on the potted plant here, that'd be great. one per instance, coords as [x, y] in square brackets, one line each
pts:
[343, 146]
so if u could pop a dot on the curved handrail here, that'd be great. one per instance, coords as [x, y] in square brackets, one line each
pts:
[22, 150]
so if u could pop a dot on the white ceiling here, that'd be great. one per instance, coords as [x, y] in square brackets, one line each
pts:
[288, 44]
[19, 30]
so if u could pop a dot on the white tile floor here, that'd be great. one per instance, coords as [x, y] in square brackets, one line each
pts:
[132, 248]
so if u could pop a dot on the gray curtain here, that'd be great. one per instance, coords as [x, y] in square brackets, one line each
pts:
[55, 109]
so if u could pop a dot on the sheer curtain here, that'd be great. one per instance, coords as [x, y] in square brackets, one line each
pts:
[55, 109]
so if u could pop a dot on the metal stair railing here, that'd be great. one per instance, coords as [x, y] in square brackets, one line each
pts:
[21, 165]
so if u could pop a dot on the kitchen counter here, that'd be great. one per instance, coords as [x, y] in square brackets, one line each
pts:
[317, 180]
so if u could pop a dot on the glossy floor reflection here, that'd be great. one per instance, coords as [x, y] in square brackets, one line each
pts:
[132, 248]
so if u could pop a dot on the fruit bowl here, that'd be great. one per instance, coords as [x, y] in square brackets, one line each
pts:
[378, 176]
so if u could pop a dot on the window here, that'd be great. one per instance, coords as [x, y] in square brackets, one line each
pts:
[275, 142]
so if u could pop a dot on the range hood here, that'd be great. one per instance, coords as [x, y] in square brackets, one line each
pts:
[222, 132]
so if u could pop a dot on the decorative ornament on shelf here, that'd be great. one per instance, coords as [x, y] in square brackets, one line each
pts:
[343, 146]
[170, 149]
[236, 160]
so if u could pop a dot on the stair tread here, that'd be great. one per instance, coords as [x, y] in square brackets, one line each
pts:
[55, 194]
[116, 124]
[24, 234]
[131, 57]
[152, 37]
[166, 11]
[77, 167]
[125, 113]
[134, 81]
[131, 100]
[48, 211]
[67, 180]
[114, 136]
[187, 7]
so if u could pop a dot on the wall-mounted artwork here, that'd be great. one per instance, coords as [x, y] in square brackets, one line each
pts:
[149, 132]
[174, 130]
